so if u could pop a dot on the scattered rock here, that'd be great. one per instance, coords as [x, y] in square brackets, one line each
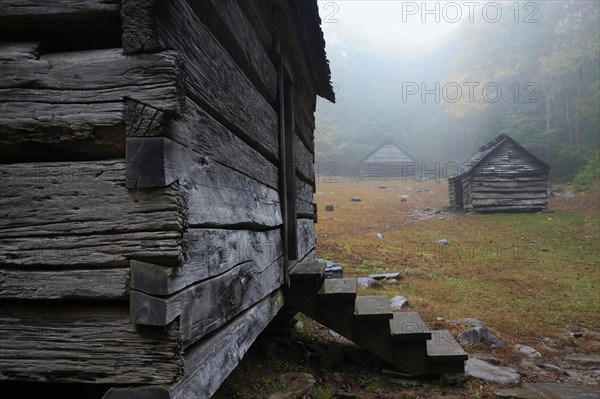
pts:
[382, 187]
[443, 241]
[545, 249]
[398, 302]
[518, 393]
[480, 334]
[333, 270]
[495, 374]
[585, 359]
[379, 236]
[547, 366]
[392, 281]
[355, 199]
[329, 208]
[367, 282]
[486, 358]
[469, 321]
[295, 385]
[550, 390]
[568, 195]
[384, 276]
[528, 350]
[403, 199]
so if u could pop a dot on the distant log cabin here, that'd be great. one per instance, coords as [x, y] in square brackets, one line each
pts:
[156, 186]
[501, 177]
[388, 161]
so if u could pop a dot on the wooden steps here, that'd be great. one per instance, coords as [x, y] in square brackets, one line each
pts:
[400, 338]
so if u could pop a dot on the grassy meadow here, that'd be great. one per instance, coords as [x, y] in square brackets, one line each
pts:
[527, 276]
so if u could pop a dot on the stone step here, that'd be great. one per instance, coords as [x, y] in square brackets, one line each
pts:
[408, 326]
[311, 270]
[442, 347]
[373, 308]
[338, 289]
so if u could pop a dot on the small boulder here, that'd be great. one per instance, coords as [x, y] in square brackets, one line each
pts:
[294, 385]
[398, 302]
[329, 208]
[443, 241]
[568, 195]
[333, 270]
[382, 187]
[355, 199]
[379, 236]
[486, 357]
[528, 350]
[495, 374]
[367, 282]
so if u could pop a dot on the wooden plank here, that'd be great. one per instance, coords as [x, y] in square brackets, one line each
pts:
[509, 195]
[304, 200]
[408, 326]
[338, 289]
[306, 237]
[210, 69]
[25, 16]
[373, 308]
[509, 202]
[94, 76]
[254, 12]
[228, 295]
[305, 132]
[305, 165]
[443, 348]
[200, 132]
[235, 33]
[66, 214]
[216, 195]
[209, 252]
[49, 343]
[210, 361]
[64, 284]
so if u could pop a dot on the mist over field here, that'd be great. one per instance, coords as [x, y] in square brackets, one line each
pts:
[441, 79]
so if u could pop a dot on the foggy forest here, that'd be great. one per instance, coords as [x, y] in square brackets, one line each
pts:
[527, 69]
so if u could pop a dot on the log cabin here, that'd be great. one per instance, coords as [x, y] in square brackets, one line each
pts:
[502, 177]
[156, 185]
[388, 161]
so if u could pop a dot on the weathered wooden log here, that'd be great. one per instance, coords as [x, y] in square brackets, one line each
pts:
[229, 25]
[50, 343]
[304, 200]
[210, 361]
[305, 166]
[70, 105]
[216, 194]
[68, 214]
[202, 133]
[306, 237]
[64, 284]
[210, 69]
[228, 295]
[25, 16]
[509, 202]
[525, 194]
[305, 133]
[139, 33]
[209, 253]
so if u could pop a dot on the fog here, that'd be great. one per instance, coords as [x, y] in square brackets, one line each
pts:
[441, 79]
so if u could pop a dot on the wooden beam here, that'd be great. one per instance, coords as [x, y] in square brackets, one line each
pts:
[304, 200]
[209, 253]
[139, 29]
[211, 360]
[306, 237]
[67, 214]
[210, 69]
[305, 165]
[112, 284]
[228, 295]
[43, 342]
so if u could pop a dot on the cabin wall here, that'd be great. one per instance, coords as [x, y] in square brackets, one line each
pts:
[143, 178]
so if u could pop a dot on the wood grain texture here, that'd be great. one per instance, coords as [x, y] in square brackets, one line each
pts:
[208, 253]
[138, 22]
[215, 81]
[202, 133]
[64, 284]
[68, 214]
[71, 344]
[305, 166]
[229, 25]
[229, 294]
[210, 361]
[304, 200]
[306, 237]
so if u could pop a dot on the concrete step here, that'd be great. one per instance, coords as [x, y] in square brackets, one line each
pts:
[373, 308]
[444, 354]
[311, 270]
[338, 289]
[408, 326]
